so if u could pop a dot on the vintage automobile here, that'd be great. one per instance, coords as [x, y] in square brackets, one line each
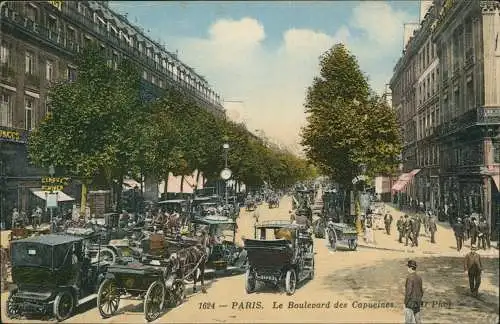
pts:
[250, 204]
[284, 260]
[273, 201]
[224, 254]
[342, 235]
[155, 278]
[52, 274]
[180, 206]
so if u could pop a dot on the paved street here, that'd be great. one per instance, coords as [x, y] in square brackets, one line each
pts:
[347, 280]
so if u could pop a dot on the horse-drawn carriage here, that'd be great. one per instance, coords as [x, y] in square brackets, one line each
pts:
[273, 202]
[159, 279]
[285, 260]
[52, 274]
[342, 235]
[223, 252]
[250, 204]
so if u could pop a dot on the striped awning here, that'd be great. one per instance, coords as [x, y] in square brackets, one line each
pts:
[404, 179]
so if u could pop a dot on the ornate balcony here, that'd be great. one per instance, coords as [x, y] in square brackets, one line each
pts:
[488, 115]
[469, 58]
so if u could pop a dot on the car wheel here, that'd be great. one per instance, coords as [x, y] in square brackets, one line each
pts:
[250, 281]
[108, 298]
[64, 305]
[154, 301]
[107, 255]
[290, 282]
[12, 309]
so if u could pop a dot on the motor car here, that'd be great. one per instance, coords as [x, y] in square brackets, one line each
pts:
[341, 235]
[223, 252]
[284, 257]
[52, 275]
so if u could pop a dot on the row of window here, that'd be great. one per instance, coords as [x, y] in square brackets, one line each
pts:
[428, 87]
[168, 65]
[7, 107]
[428, 155]
[427, 121]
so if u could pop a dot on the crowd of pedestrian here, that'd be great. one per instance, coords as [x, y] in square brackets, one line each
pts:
[473, 228]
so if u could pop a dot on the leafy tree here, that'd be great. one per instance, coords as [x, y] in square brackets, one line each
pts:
[72, 136]
[347, 124]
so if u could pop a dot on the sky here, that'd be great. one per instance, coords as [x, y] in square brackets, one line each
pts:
[262, 56]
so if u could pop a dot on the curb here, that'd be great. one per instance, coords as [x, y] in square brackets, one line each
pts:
[374, 247]
[433, 253]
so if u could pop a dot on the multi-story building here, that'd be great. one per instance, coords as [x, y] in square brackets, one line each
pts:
[455, 58]
[38, 44]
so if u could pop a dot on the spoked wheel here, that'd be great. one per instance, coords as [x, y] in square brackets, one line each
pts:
[250, 281]
[353, 245]
[311, 274]
[12, 309]
[64, 305]
[154, 301]
[290, 282]
[107, 255]
[190, 279]
[108, 298]
[177, 294]
[332, 236]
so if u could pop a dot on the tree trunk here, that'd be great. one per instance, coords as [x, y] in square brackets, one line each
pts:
[198, 173]
[182, 183]
[83, 201]
[119, 190]
[165, 189]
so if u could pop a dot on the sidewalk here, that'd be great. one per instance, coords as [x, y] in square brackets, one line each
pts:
[445, 241]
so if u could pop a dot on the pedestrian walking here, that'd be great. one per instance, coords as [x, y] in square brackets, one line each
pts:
[400, 225]
[413, 295]
[415, 229]
[432, 228]
[408, 230]
[483, 234]
[473, 268]
[473, 230]
[458, 228]
[388, 223]
[467, 224]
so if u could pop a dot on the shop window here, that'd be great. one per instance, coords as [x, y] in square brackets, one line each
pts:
[5, 110]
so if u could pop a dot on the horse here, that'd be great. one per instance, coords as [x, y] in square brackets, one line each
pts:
[191, 261]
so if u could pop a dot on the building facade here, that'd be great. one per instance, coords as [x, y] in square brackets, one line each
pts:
[456, 59]
[38, 44]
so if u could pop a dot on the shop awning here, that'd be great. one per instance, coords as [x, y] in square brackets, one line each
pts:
[404, 179]
[61, 196]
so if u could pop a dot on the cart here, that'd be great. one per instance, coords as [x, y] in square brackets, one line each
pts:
[342, 235]
[284, 260]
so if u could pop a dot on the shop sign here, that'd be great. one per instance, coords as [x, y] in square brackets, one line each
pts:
[50, 184]
[11, 135]
[57, 4]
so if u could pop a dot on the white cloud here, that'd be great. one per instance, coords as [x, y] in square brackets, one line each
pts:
[272, 83]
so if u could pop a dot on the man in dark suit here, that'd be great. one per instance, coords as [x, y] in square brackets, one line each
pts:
[432, 228]
[388, 223]
[413, 294]
[473, 267]
[458, 228]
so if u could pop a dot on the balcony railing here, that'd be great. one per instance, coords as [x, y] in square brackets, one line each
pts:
[469, 57]
[73, 47]
[488, 115]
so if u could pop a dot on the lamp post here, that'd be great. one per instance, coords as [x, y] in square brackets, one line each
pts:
[362, 170]
[51, 173]
[226, 173]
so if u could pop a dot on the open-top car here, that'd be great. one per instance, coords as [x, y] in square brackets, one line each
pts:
[52, 274]
[224, 254]
[281, 254]
[342, 235]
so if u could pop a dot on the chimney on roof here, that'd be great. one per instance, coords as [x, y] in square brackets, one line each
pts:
[408, 31]
[425, 5]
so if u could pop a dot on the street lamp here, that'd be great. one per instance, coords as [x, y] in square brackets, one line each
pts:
[226, 173]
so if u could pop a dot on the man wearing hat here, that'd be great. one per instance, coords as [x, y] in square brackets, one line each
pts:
[413, 294]
[473, 267]
[458, 228]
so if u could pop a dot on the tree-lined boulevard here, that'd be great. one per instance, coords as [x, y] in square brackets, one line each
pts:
[364, 286]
